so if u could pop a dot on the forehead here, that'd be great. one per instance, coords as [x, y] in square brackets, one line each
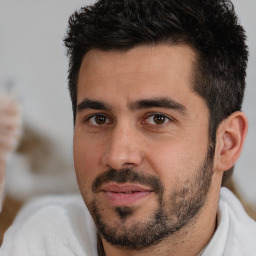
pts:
[139, 72]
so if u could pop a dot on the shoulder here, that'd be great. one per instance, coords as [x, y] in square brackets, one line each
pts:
[51, 224]
[229, 202]
[236, 231]
[47, 210]
[241, 228]
[50, 202]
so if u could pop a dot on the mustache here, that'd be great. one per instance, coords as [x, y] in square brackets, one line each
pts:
[127, 175]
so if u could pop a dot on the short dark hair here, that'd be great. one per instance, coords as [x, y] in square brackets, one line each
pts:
[209, 27]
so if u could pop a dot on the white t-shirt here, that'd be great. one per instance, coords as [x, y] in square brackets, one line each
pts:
[62, 226]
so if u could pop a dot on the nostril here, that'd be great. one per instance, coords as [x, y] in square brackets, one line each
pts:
[128, 165]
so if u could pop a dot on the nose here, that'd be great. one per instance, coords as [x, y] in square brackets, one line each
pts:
[124, 149]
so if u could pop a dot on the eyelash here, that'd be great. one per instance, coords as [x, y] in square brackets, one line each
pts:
[87, 119]
[164, 117]
[159, 115]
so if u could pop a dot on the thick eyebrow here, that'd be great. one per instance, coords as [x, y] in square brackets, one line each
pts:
[162, 102]
[91, 104]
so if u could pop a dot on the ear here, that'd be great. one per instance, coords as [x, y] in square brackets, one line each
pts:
[230, 139]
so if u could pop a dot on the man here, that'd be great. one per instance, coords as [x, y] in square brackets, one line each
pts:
[156, 88]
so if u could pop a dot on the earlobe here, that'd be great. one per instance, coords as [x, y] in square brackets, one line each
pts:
[230, 140]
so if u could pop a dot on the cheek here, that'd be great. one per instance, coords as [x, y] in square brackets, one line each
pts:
[168, 155]
[87, 160]
[176, 161]
[168, 163]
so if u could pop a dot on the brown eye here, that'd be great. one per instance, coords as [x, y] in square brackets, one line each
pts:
[159, 119]
[98, 119]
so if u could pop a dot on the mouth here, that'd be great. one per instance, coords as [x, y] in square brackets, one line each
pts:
[124, 194]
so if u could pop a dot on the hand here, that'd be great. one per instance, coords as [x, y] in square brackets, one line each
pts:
[10, 123]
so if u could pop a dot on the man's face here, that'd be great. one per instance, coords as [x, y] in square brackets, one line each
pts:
[141, 143]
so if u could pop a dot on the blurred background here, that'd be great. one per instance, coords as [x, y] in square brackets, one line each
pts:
[33, 69]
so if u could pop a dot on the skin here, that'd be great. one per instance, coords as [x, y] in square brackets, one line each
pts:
[9, 133]
[117, 134]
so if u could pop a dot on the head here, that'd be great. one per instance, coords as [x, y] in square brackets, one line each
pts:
[115, 32]
[209, 27]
